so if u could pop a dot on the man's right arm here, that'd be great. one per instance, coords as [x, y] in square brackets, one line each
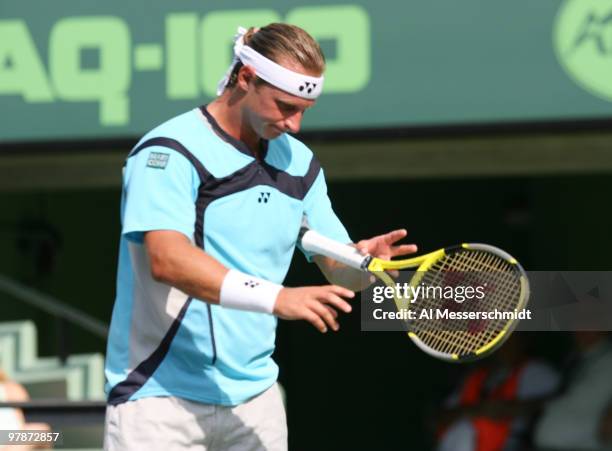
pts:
[175, 261]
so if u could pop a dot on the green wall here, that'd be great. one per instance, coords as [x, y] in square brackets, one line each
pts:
[101, 70]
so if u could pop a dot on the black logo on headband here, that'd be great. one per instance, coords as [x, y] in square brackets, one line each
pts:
[307, 86]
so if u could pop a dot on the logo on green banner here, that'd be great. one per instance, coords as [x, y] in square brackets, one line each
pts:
[98, 58]
[583, 43]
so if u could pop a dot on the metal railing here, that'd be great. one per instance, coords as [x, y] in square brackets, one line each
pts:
[63, 313]
[54, 307]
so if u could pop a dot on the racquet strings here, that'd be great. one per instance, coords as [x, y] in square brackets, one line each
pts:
[501, 281]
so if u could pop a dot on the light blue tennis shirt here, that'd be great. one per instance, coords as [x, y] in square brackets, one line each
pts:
[188, 175]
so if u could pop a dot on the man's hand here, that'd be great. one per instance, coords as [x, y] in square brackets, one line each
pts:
[314, 304]
[382, 246]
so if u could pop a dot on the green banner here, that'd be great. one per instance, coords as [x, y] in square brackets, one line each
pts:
[80, 70]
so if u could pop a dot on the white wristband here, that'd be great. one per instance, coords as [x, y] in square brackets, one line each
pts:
[244, 292]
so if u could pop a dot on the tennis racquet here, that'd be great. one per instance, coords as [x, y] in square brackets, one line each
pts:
[464, 339]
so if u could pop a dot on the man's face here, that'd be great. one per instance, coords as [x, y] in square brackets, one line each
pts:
[271, 111]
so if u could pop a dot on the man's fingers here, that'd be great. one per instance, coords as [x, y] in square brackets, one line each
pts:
[362, 247]
[337, 302]
[393, 273]
[403, 249]
[315, 320]
[324, 314]
[333, 311]
[340, 291]
[395, 235]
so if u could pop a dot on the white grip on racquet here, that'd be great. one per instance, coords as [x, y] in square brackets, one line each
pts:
[319, 244]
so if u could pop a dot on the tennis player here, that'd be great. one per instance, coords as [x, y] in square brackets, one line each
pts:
[213, 201]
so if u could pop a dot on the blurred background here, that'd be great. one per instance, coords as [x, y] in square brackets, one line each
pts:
[482, 121]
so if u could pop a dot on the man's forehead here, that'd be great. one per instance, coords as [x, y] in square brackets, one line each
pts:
[284, 97]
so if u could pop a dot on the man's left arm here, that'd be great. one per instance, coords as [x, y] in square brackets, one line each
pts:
[320, 217]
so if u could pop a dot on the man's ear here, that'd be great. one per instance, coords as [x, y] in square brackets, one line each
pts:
[246, 75]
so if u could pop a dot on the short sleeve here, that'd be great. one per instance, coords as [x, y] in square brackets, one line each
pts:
[160, 190]
[320, 216]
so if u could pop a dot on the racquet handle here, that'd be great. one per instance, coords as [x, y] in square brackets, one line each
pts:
[314, 242]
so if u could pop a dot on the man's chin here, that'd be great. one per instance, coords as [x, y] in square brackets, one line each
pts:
[273, 133]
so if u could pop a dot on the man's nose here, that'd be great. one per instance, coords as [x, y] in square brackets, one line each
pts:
[293, 122]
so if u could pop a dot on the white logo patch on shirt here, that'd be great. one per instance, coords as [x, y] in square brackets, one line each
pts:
[158, 160]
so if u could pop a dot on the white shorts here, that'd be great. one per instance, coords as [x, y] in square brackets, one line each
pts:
[169, 424]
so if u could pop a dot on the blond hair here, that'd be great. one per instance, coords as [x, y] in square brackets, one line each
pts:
[280, 42]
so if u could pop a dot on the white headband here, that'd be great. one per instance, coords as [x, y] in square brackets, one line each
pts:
[294, 83]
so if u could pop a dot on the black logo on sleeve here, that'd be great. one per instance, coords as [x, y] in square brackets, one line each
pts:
[251, 284]
[263, 197]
